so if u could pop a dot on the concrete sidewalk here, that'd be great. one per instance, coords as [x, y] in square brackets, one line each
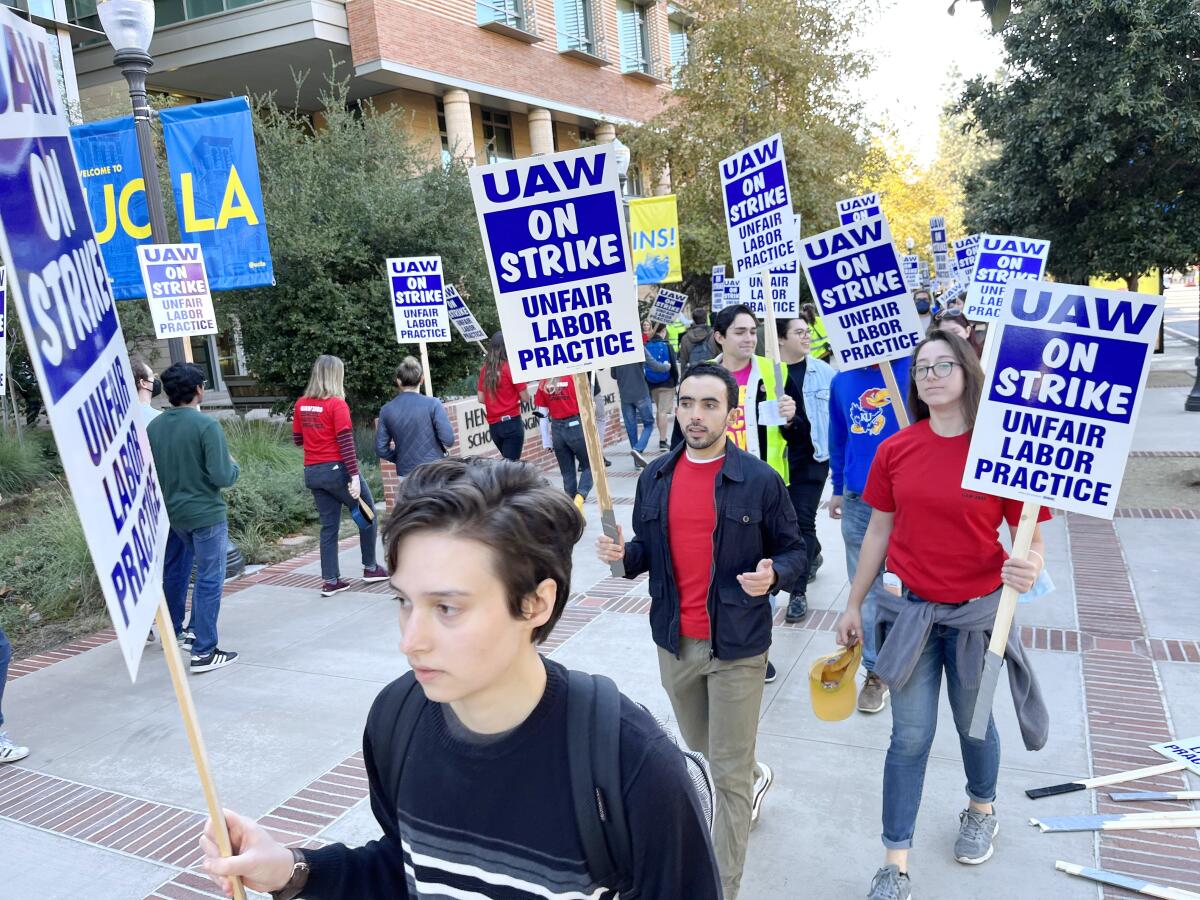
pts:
[108, 804]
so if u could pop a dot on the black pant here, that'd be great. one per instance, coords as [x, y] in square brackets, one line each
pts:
[807, 484]
[329, 485]
[509, 437]
[570, 448]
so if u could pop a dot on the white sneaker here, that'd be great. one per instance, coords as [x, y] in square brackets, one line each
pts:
[10, 752]
[762, 784]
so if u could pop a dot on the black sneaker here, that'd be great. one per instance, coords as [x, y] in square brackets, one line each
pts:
[639, 460]
[797, 608]
[185, 639]
[812, 570]
[662, 445]
[771, 673]
[218, 659]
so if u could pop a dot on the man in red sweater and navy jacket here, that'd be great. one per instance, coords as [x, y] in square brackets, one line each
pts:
[714, 527]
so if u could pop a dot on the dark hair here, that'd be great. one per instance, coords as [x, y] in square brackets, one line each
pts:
[944, 314]
[141, 369]
[700, 315]
[497, 353]
[529, 526]
[409, 372]
[180, 382]
[726, 317]
[808, 312]
[782, 325]
[658, 329]
[712, 370]
[964, 355]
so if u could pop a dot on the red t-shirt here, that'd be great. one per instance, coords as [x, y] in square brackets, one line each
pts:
[324, 425]
[506, 401]
[691, 523]
[945, 542]
[737, 429]
[558, 396]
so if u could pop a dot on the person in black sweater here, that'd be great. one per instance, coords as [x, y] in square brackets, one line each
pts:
[481, 803]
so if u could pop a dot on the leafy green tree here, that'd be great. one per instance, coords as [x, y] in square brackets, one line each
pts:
[340, 198]
[1097, 128]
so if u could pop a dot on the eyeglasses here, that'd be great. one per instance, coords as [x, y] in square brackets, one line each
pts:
[802, 332]
[949, 314]
[939, 370]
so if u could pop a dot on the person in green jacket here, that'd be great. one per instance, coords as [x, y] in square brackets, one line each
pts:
[193, 464]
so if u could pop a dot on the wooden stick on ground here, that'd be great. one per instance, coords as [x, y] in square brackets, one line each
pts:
[1129, 882]
[191, 724]
[1184, 818]
[1138, 796]
[1100, 781]
[897, 399]
[595, 448]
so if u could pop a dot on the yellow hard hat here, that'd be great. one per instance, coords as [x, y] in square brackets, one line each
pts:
[833, 683]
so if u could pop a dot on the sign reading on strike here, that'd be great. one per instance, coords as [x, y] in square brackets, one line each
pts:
[718, 288]
[554, 236]
[937, 237]
[1067, 375]
[855, 209]
[1001, 259]
[732, 293]
[462, 317]
[418, 299]
[667, 306]
[177, 290]
[854, 274]
[924, 272]
[1186, 751]
[965, 251]
[61, 291]
[910, 267]
[758, 207]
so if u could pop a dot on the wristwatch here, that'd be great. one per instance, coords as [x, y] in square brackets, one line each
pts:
[298, 880]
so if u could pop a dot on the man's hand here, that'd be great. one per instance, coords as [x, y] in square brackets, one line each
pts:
[262, 862]
[760, 581]
[849, 627]
[609, 550]
[835, 506]
[355, 487]
[787, 407]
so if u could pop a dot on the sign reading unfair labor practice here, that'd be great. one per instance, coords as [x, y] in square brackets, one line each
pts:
[910, 267]
[1001, 259]
[177, 290]
[418, 301]
[941, 249]
[854, 274]
[758, 207]
[965, 252]
[855, 209]
[1185, 751]
[60, 288]
[554, 235]
[462, 317]
[667, 306]
[718, 288]
[1061, 400]
[776, 294]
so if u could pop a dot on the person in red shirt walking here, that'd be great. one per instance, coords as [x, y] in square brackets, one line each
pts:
[321, 425]
[501, 399]
[570, 446]
[942, 541]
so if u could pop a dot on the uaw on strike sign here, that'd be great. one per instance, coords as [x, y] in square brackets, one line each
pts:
[758, 207]
[554, 235]
[58, 283]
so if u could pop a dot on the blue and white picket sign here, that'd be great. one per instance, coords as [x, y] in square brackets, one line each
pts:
[1067, 376]
[758, 207]
[554, 235]
[732, 292]
[176, 285]
[940, 247]
[462, 317]
[854, 275]
[418, 300]
[1185, 751]
[777, 294]
[667, 306]
[855, 209]
[965, 252]
[718, 288]
[3, 332]
[1002, 258]
[923, 271]
[910, 267]
[60, 288]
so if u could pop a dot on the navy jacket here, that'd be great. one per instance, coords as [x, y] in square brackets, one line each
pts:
[755, 520]
[413, 429]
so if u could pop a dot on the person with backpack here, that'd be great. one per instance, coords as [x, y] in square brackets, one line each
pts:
[636, 407]
[714, 527]
[662, 384]
[484, 775]
[697, 344]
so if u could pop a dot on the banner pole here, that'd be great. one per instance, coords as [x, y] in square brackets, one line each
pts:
[595, 448]
[889, 378]
[771, 340]
[191, 724]
[1002, 625]
[425, 368]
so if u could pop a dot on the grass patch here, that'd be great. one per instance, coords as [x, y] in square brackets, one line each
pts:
[23, 463]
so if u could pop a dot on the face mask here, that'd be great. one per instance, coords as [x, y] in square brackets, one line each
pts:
[922, 306]
[157, 389]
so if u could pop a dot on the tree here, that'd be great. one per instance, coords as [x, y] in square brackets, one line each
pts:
[1097, 125]
[755, 69]
[339, 200]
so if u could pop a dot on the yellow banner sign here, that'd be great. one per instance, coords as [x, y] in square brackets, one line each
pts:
[654, 229]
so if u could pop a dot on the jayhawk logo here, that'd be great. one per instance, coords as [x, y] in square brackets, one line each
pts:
[866, 413]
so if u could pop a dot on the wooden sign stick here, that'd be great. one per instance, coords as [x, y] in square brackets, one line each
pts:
[191, 724]
[1129, 882]
[771, 341]
[1088, 784]
[425, 369]
[897, 399]
[1001, 627]
[595, 448]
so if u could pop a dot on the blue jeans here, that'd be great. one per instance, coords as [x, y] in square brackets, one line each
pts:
[329, 484]
[5, 656]
[914, 721]
[570, 447]
[205, 548]
[856, 515]
[634, 414]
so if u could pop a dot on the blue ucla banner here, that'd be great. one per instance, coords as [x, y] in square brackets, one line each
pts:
[111, 174]
[214, 174]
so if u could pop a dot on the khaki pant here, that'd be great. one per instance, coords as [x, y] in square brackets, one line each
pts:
[664, 410]
[716, 704]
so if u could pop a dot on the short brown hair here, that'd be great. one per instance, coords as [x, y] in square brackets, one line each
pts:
[973, 378]
[409, 372]
[529, 526]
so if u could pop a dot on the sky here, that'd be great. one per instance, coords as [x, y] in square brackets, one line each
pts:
[915, 47]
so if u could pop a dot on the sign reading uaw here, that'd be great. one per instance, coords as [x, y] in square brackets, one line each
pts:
[554, 235]
[758, 207]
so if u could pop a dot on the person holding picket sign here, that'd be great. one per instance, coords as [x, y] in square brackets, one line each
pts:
[501, 399]
[943, 544]
[662, 384]
[557, 396]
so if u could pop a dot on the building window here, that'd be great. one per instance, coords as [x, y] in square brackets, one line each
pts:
[587, 135]
[497, 135]
[166, 12]
[634, 30]
[447, 157]
[633, 181]
[501, 12]
[573, 20]
[679, 43]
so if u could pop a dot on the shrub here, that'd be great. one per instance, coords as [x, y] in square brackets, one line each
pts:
[262, 443]
[22, 463]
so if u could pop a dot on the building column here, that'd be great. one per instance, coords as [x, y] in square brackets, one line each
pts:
[664, 182]
[606, 132]
[541, 132]
[459, 131]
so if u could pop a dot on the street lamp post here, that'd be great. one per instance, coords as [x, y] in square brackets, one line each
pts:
[129, 25]
[1192, 404]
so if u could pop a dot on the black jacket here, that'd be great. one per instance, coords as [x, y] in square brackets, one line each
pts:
[755, 520]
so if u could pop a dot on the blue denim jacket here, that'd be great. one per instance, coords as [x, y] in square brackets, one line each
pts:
[818, 376]
[755, 521]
